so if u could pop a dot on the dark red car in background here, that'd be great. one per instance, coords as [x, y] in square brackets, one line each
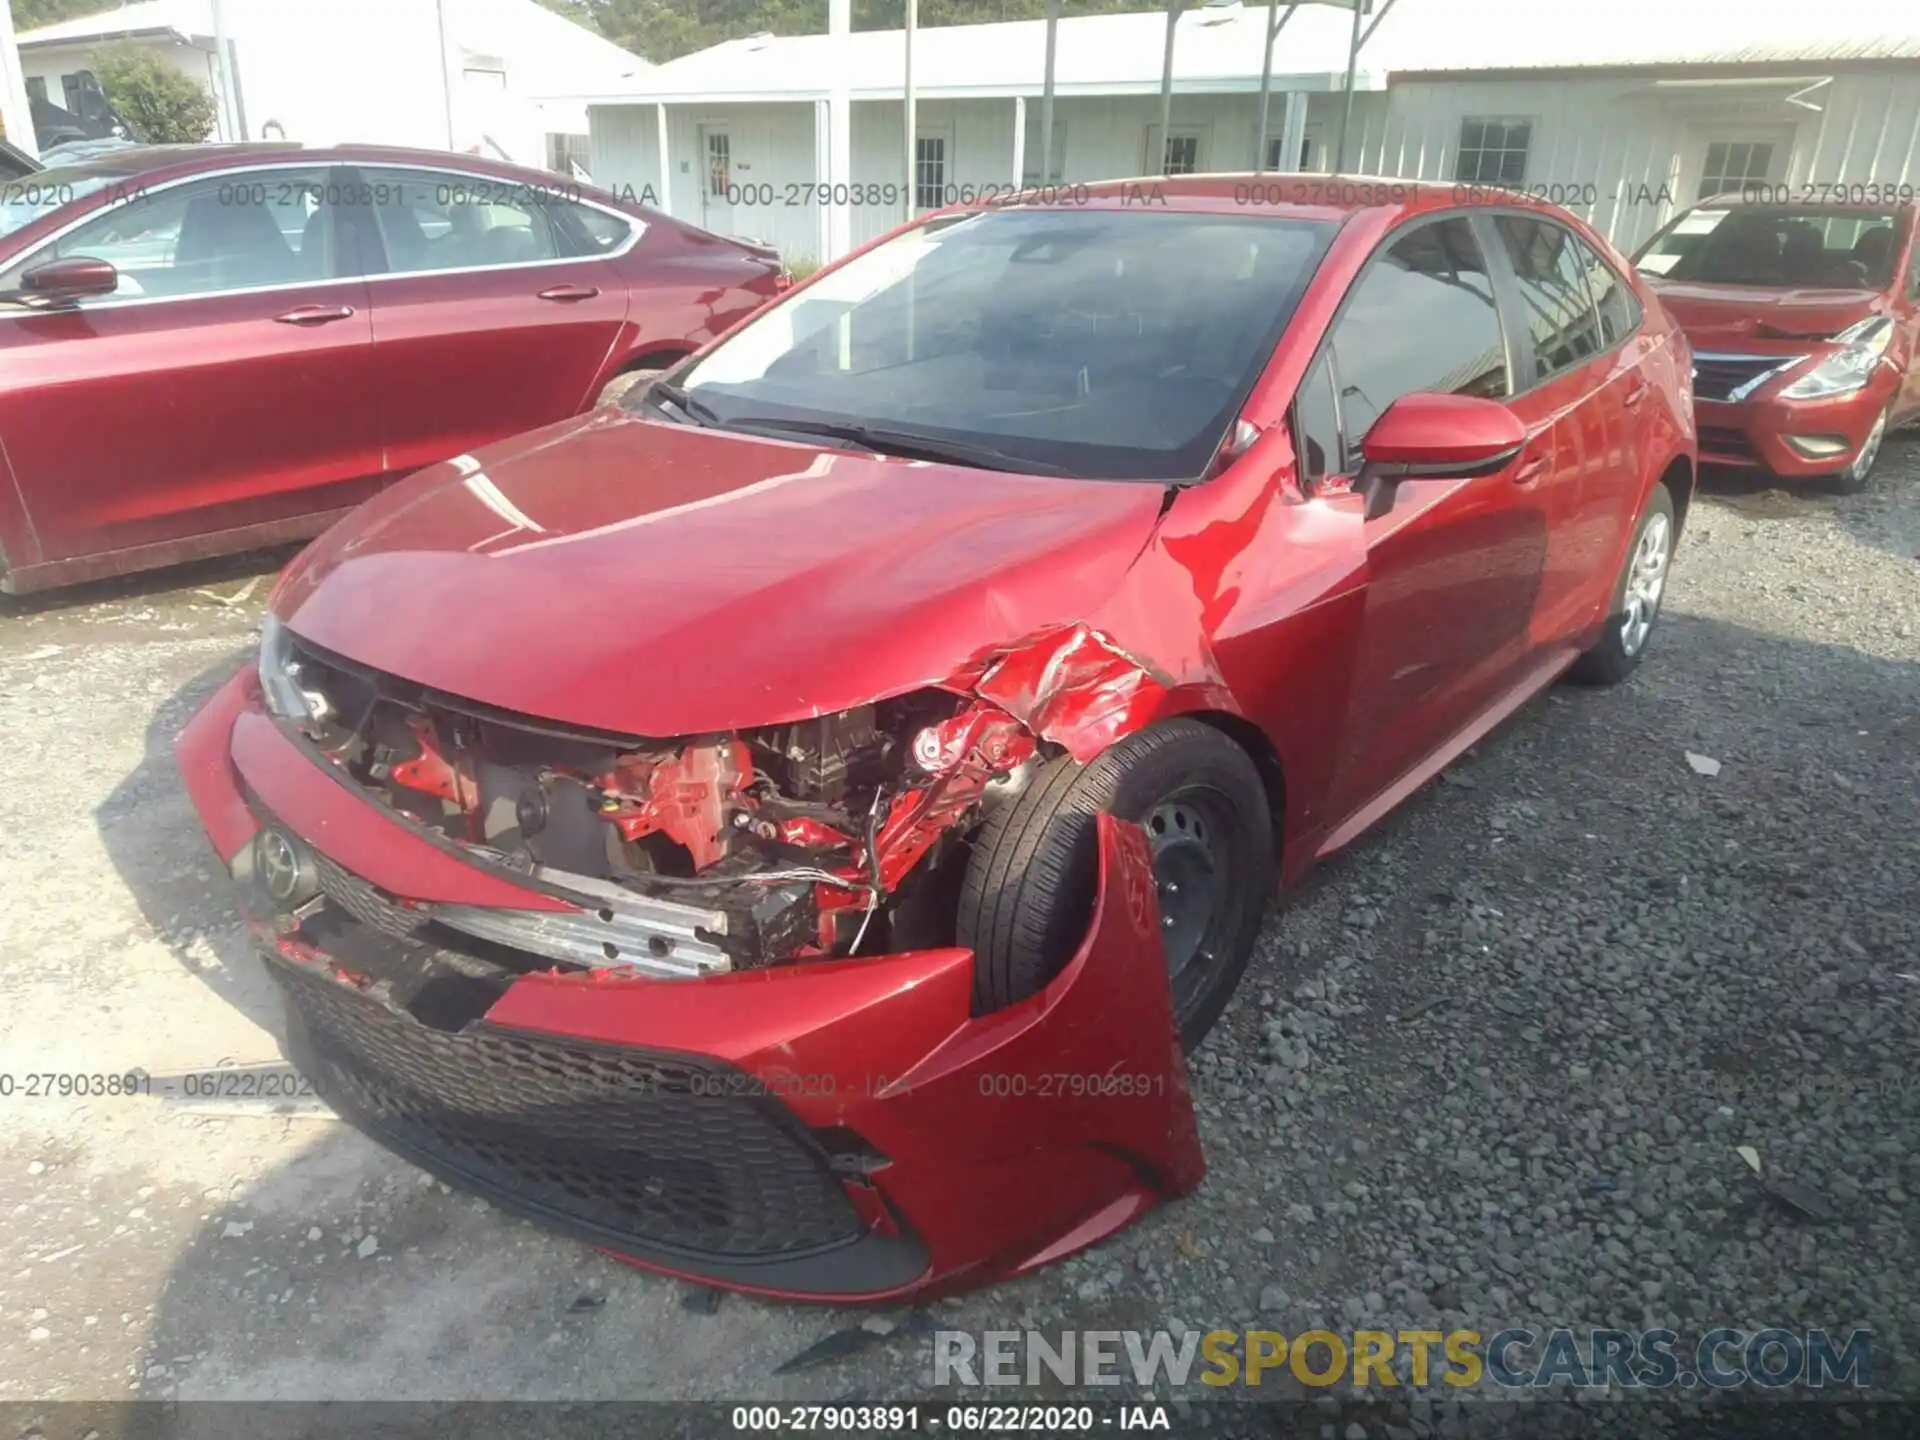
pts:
[785, 829]
[205, 349]
[1805, 324]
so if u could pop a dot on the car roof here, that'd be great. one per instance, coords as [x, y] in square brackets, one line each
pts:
[153, 160]
[1322, 197]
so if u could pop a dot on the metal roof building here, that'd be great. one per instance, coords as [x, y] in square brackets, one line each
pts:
[1626, 112]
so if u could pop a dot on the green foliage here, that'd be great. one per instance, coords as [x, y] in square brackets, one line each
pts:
[163, 106]
[666, 29]
[32, 14]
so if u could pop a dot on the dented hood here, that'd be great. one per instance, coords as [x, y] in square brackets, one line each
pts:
[653, 579]
[1712, 315]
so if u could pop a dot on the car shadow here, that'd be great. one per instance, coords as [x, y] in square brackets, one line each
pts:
[1874, 517]
[460, 1298]
[224, 572]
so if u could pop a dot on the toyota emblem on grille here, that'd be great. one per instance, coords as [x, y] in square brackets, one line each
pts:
[283, 867]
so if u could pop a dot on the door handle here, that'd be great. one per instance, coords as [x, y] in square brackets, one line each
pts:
[567, 293]
[1530, 469]
[315, 315]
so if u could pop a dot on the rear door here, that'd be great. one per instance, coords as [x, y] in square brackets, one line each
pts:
[495, 307]
[1578, 394]
[225, 384]
[1454, 569]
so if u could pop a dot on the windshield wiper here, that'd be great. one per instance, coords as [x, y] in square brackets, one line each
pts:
[697, 411]
[908, 444]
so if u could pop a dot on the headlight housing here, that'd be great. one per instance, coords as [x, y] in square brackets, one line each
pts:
[1851, 368]
[280, 679]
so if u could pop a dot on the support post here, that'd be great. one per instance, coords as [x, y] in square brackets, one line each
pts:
[1166, 85]
[1019, 141]
[1273, 29]
[666, 165]
[1046, 97]
[913, 157]
[1346, 109]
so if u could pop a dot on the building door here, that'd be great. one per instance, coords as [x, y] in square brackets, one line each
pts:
[1725, 161]
[716, 192]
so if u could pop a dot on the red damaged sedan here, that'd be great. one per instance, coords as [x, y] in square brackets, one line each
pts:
[1805, 325]
[206, 349]
[787, 829]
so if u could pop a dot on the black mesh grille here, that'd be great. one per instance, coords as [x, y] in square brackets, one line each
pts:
[1716, 379]
[364, 902]
[662, 1151]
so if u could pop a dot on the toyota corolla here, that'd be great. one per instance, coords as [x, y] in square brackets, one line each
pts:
[788, 829]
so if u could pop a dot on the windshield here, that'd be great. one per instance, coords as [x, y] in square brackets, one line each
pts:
[25, 200]
[1740, 245]
[1111, 344]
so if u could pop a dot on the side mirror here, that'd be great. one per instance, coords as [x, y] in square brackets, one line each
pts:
[1435, 437]
[61, 282]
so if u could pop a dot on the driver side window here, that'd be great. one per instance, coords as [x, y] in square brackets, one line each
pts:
[237, 231]
[1421, 318]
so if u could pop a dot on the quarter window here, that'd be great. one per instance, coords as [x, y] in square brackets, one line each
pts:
[1493, 151]
[1557, 307]
[1619, 311]
[441, 220]
[238, 231]
[1422, 318]
[1316, 423]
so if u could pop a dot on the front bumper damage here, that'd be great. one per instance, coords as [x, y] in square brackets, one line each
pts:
[848, 1130]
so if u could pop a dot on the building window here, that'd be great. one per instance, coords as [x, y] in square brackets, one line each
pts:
[37, 88]
[1309, 153]
[485, 79]
[1732, 165]
[567, 154]
[719, 164]
[1183, 155]
[1493, 152]
[929, 171]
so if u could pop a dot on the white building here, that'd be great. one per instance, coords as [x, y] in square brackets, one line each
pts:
[1625, 110]
[445, 74]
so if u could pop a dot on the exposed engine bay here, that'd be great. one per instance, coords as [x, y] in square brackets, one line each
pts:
[838, 835]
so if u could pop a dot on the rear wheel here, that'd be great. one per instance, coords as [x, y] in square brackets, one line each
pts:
[1031, 882]
[1636, 597]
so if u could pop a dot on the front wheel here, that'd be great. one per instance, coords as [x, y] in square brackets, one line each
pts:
[1636, 597]
[1854, 479]
[1031, 881]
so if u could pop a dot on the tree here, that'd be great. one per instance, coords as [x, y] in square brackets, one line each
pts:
[32, 14]
[163, 106]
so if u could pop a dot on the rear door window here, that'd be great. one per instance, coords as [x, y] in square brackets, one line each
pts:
[1558, 308]
[1421, 318]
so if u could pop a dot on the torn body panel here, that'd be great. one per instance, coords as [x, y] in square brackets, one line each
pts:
[806, 1131]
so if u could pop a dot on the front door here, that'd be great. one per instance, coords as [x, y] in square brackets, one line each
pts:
[716, 191]
[1454, 568]
[494, 308]
[226, 383]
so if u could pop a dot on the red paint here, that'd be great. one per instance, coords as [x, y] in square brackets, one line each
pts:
[649, 579]
[1790, 321]
[144, 433]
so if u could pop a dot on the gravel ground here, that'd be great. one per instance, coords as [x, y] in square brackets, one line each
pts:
[1490, 1066]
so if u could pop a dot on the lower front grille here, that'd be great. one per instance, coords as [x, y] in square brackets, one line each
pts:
[1727, 441]
[650, 1151]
